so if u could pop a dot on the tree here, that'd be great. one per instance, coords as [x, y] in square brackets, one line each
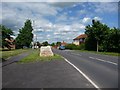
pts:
[112, 41]
[53, 44]
[45, 43]
[25, 35]
[38, 44]
[58, 43]
[6, 35]
[101, 37]
[96, 32]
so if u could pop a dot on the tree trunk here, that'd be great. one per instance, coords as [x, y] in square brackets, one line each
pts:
[97, 46]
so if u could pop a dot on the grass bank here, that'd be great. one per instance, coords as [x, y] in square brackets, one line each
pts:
[103, 53]
[7, 54]
[34, 57]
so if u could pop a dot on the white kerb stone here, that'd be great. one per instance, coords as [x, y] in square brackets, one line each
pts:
[46, 51]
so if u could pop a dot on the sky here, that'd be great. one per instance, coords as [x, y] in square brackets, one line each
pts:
[57, 21]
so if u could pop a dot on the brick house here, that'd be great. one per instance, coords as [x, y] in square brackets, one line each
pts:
[79, 39]
[63, 43]
[11, 42]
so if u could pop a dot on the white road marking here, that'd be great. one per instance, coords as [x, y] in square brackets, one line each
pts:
[103, 60]
[82, 74]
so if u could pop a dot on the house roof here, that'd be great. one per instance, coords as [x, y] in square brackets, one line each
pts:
[10, 40]
[80, 36]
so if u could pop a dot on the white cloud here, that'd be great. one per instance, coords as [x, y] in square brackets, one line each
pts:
[48, 35]
[97, 18]
[82, 12]
[56, 33]
[106, 7]
[62, 17]
[38, 30]
[77, 26]
[68, 29]
[42, 8]
[86, 20]
[62, 27]
[21, 11]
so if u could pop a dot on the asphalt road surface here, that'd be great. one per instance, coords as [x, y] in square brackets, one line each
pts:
[42, 74]
[84, 70]
[102, 70]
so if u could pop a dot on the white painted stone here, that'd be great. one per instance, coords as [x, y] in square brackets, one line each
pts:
[46, 51]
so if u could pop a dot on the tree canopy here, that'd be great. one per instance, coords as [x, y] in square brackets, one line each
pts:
[101, 37]
[25, 35]
[45, 43]
[58, 43]
[6, 34]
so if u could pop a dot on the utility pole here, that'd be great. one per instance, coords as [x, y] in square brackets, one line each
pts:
[35, 35]
[34, 28]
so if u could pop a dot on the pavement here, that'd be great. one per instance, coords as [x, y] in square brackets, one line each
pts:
[101, 69]
[14, 59]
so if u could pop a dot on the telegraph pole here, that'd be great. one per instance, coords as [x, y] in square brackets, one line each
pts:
[35, 35]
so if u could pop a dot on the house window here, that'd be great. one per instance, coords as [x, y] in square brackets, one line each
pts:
[81, 40]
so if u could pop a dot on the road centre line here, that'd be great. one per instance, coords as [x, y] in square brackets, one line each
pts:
[103, 60]
[82, 74]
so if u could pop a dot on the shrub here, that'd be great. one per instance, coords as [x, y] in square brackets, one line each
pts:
[75, 47]
[82, 46]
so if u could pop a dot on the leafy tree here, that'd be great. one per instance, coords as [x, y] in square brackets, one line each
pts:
[38, 44]
[90, 44]
[102, 37]
[96, 32]
[53, 44]
[6, 34]
[112, 41]
[45, 43]
[58, 43]
[25, 35]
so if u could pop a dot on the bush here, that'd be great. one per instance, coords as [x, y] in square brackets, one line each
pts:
[75, 47]
[90, 44]
[70, 46]
[82, 46]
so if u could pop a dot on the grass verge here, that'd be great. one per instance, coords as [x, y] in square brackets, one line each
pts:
[103, 53]
[34, 57]
[7, 54]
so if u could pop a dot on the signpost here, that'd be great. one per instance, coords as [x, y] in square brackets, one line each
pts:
[46, 51]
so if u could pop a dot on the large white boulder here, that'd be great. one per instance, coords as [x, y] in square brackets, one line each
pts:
[46, 51]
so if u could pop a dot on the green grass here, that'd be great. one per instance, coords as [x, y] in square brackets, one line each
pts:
[7, 54]
[35, 57]
[103, 53]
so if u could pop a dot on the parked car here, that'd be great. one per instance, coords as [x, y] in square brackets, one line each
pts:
[61, 47]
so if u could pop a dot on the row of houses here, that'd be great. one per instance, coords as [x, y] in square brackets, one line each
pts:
[77, 41]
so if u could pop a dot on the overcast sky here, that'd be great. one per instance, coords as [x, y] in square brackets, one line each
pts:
[57, 21]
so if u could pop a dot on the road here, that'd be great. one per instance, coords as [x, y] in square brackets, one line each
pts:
[85, 70]
[102, 70]
[42, 74]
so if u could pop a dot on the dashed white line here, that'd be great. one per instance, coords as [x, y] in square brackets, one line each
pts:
[103, 60]
[82, 74]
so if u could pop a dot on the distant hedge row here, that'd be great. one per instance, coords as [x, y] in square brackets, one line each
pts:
[75, 47]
